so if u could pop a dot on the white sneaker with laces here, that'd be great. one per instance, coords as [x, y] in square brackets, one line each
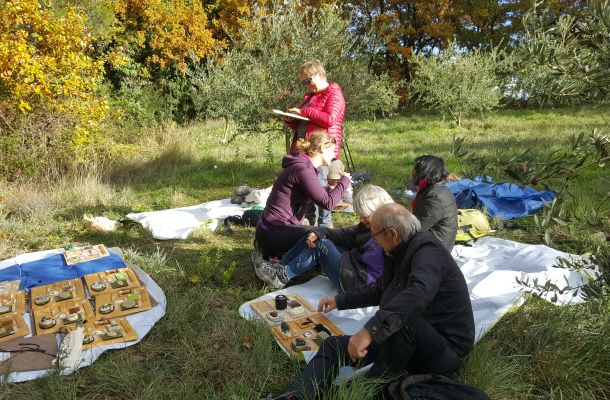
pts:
[275, 275]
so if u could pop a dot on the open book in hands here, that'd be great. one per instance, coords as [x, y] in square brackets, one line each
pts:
[291, 115]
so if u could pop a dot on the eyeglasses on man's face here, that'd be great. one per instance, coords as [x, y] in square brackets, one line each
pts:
[374, 234]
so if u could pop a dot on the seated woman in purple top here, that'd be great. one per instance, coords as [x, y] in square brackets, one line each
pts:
[297, 186]
[350, 257]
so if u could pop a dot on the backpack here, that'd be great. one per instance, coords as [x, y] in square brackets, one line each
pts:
[472, 224]
[249, 218]
[433, 387]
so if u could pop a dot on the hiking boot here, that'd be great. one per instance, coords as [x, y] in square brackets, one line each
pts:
[275, 275]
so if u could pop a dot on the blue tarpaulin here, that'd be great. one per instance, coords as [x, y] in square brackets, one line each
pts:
[53, 268]
[503, 200]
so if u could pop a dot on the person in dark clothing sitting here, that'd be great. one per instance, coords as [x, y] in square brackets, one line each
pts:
[424, 324]
[434, 204]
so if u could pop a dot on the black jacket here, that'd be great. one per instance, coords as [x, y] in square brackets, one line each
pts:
[436, 210]
[420, 277]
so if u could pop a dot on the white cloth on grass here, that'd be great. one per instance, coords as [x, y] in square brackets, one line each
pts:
[178, 223]
[490, 267]
[141, 322]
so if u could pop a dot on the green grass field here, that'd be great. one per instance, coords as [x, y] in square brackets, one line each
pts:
[202, 349]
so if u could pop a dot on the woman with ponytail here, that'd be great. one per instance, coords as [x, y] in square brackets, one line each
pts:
[280, 225]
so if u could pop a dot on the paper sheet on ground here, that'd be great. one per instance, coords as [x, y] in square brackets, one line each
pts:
[490, 267]
[141, 322]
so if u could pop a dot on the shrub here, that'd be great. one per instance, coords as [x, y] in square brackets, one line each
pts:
[50, 102]
[564, 60]
[456, 83]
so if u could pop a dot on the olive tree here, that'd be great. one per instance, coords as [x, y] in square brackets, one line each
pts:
[457, 82]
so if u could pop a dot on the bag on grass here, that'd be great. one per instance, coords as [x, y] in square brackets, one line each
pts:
[433, 387]
[472, 224]
[249, 218]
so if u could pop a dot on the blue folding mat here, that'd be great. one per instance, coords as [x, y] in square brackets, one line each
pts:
[53, 268]
[503, 200]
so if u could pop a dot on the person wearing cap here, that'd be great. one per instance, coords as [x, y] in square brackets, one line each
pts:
[434, 205]
[324, 106]
[350, 257]
[280, 225]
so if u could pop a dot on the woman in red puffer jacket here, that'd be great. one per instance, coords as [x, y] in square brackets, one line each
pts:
[324, 105]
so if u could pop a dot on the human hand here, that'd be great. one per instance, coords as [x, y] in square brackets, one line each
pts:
[311, 238]
[295, 110]
[358, 344]
[343, 173]
[327, 304]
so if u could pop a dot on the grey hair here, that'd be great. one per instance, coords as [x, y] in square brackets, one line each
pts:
[369, 199]
[396, 216]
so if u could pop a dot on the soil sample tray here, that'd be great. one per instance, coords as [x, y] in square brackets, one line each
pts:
[48, 296]
[305, 334]
[107, 331]
[123, 302]
[86, 253]
[69, 312]
[12, 302]
[12, 326]
[296, 308]
[111, 281]
[296, 331]
[9, 287]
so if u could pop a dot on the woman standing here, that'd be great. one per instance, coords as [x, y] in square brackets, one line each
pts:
[324, 106]
[280, 225]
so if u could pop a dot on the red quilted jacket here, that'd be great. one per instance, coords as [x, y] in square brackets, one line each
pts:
[325, 112]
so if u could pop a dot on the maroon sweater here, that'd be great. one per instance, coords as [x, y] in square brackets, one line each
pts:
[293, 190]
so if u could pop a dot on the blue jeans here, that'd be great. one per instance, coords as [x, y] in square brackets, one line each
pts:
[300, 259]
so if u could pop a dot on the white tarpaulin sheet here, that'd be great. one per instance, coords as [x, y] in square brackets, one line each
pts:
[141, 322]
[178, 223]
[490, 267]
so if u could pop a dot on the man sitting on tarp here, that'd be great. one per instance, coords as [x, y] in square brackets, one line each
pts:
[424, 324]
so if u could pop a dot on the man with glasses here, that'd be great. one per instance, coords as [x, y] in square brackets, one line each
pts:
[324, 106]
[424, 324]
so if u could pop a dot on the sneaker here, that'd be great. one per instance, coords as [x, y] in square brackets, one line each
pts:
[275, 275]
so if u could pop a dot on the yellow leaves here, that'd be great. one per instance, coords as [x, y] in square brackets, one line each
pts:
[44, 64]
[167, 31]
[24, 106]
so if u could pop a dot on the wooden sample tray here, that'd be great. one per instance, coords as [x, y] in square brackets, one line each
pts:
[12, 326]
[306, 327]
[98, 332]
[62, 313]
[111, 281]
[55, 292]
[264, 307]
[86, 253]
[9, 286]
[117, 300]
[12, 302]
